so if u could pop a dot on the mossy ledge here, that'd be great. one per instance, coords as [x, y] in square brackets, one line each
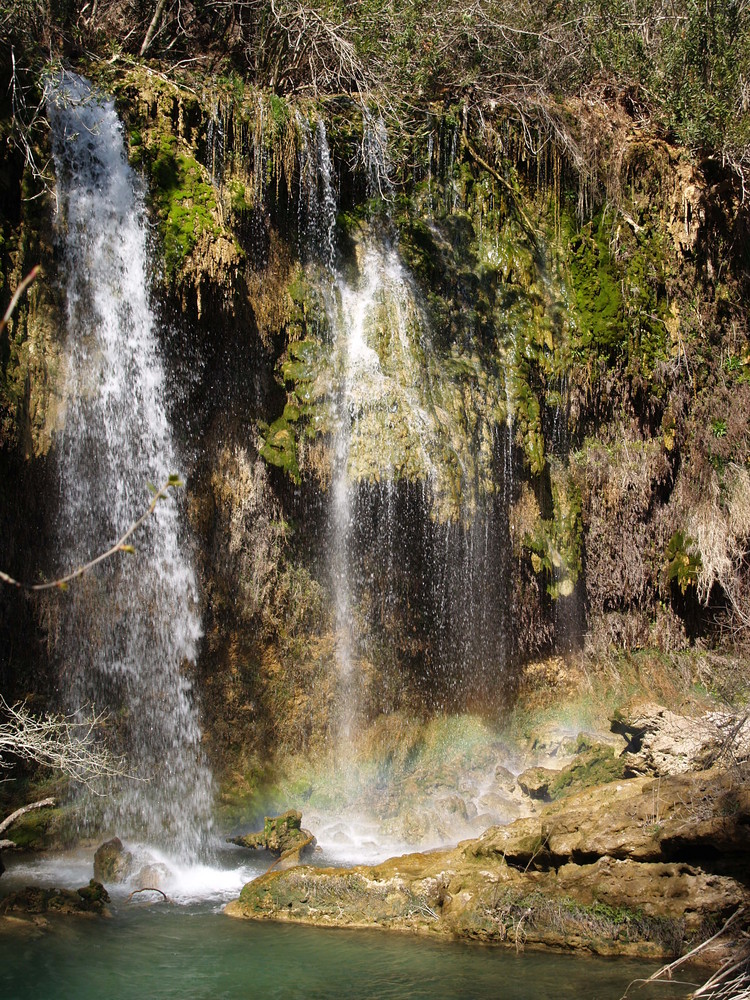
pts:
[625, 868]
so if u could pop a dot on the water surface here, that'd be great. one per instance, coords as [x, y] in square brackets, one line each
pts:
[190, 950]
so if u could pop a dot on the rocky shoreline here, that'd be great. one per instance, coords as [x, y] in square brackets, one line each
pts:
[647, 865]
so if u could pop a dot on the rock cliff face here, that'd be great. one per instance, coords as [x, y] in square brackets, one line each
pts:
[542, 427]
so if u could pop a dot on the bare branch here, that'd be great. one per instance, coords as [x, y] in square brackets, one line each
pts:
[10, 820]
[62, 742]
[119, 546]
[148, 888]
[152, 27]
[17, 295]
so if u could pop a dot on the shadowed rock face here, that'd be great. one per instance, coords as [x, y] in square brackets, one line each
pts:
[662, 742]
[630, 867]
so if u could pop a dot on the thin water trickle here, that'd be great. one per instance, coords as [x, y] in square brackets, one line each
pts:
[316, 204]
[375, 156]
[128, 633]
[416, 553]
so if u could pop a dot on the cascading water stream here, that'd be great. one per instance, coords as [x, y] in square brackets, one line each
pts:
[129, 630]
[416, 543]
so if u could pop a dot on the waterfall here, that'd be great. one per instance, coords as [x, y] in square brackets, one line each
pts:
[375, 157]
[317, 195]
[417, 542]
[403, 493]
[128, 631]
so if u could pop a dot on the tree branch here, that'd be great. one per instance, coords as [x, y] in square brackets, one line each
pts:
[119, 546]
[57, 741]
[152, 27]
[148, 888]
[17, 295]
[10, 820]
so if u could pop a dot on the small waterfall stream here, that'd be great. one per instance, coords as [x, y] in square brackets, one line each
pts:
[130, 630]
[405, 508]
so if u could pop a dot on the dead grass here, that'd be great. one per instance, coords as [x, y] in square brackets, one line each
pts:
[720, 525]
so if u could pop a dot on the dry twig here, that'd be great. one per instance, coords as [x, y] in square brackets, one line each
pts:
[148, 888]
[57, 741]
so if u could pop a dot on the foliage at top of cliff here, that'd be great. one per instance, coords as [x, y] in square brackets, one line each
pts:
[683, 67]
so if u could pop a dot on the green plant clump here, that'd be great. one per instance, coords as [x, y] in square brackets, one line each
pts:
[280, 445]
[683, 563]
[593, 766]
[596, 291]
[556, 543]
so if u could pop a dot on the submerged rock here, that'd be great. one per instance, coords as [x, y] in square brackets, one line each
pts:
[151, 876]
[112, 863]
[88, 901]
[281, 835]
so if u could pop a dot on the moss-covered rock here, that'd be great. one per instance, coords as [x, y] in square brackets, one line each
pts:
[89, 901]
[281, 835]
[112, 863]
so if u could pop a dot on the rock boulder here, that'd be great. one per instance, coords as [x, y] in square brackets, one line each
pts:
[636, 866]
[89, 901]
[112, 863]
[660, 742]
[281, 835]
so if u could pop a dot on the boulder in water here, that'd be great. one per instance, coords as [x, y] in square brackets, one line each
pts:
[281, 835]
[112, 863]
[151, 876]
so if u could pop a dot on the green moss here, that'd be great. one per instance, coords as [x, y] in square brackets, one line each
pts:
[556, 544]
[420, 251]
[185, 200]
[593, 921]
[280, 111]
[37, 829]
[646, 306]
[595, 765]
[280, 442]
[240, 197]
[595, 290]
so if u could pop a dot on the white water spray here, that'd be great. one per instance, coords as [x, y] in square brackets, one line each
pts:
[129, 631]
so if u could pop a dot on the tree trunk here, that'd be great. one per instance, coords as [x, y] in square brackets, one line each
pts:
[152, 27]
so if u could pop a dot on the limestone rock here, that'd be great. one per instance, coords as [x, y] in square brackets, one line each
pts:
[112, 863]
[151, 876]
[669, 890]
[660, 742]
[638, 818]
[505, 780]
[630, 867]
[611, 907]
[535, 782]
